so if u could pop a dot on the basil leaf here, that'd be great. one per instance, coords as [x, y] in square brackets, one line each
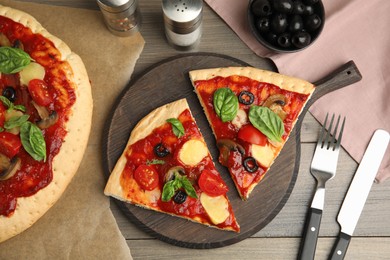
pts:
[225, 104]
[187, 185]
[169, 190]
[155, 161]
[172, 186]
[15, 121]
[177, 127]
[11, 105]
[269, 123]
[33, 141]
[13, 60]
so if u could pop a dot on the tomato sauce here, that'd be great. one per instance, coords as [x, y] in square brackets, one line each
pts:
[36, 175]
[227, 130]
[142, 153]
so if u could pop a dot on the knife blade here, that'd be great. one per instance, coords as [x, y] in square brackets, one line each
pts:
[358, 191]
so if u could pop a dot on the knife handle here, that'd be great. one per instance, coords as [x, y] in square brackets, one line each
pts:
[310, 235]
[340, 247]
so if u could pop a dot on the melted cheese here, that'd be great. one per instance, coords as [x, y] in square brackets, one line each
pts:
[216, 207]
[31, 71]
[263, 154]
[193, 152]
[240, 119]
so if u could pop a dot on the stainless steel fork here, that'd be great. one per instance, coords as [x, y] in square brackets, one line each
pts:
[323, 168]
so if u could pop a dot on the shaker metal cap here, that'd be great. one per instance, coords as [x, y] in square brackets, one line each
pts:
[182, 11]
[115, 6]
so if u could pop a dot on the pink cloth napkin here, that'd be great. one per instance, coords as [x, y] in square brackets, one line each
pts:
[354, 30]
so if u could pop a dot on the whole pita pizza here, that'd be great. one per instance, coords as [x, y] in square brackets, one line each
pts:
[45, 119]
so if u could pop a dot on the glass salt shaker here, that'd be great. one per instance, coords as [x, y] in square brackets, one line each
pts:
[183, 22]
[122, 17]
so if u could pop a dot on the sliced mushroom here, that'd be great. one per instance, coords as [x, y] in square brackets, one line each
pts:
[8, 167]
[170, 175]
[276, 103]
[227, 145]
[18, 44]
[47, 118]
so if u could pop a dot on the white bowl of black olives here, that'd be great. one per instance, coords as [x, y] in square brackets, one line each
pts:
[286, 25]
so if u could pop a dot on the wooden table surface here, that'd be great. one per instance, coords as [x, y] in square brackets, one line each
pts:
[280, 239]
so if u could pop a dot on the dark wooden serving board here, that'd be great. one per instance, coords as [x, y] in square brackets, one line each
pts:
[168, 81]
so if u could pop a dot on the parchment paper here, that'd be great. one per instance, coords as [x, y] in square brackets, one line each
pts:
[80, 225]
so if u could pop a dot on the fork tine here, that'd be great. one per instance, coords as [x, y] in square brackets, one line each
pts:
[321, 136]
[327, 140]
[340, 135]
[333, 141]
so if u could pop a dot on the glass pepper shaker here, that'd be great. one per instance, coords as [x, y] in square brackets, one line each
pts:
[122, 17]
[183, 22]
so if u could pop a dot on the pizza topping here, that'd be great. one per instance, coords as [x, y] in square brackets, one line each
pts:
[240, 119]
[9, 93]
[263, 154]
[172, 172]
[146, 177]
[227, 145]
[212, 184]
[246, 97]
[4, 41]
[187, 155]
[250, 164]
[276, 103]
[30, 72]
[13, 60]
[267, 122]
[216, 207]
[179, 182]
[180, 197]
[252, 135]
[160, 150]
[225, 104]
[33, 141]
[48, 121]
[177, 127]
[9, 144]
[39, 92]
[8, 167]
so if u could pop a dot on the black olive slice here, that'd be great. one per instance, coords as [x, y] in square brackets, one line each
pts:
[180, 197]
[160, 150]
[250, 164]
[10, 93]
[246, 97]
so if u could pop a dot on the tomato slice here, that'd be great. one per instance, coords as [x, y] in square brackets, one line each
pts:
[39, 92]
[212, 184]
[251, 134]
[146, 177]
[9, 144]
[2, 114]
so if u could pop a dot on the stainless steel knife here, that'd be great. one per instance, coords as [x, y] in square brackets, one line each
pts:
[358, 191]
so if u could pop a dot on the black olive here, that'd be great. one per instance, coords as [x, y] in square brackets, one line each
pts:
[263, 24]
[160, 150]
[250, 164]
[309, 10]
[279, 23]
[246, 97]
[10, 93]
[298, 8]
[261, 8]
[180, 197]
[313, 22]
[283, 6]
[284, 40]
[296, 23]
[301, 39]
[271, 38]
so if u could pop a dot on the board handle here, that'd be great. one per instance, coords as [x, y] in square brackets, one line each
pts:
[345, 75]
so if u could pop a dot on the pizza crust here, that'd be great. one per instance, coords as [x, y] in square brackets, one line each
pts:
[143, 128]
[282, 81]
[65, 164]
